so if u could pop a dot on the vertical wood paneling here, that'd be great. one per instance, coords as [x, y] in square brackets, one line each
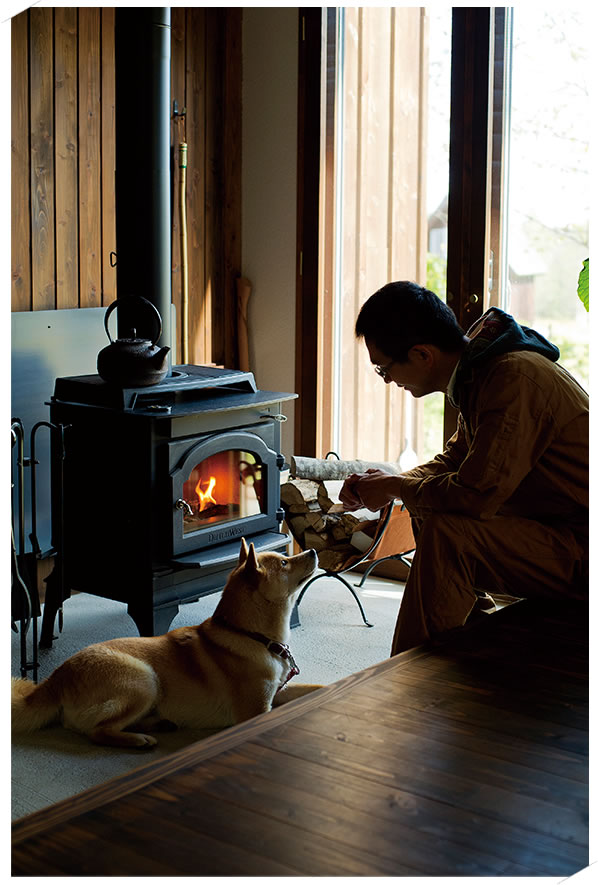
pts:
[213, 228]
[89, 157]
[382, 218]
[21, 179]
[231, 184]
[325, 441]
[350, 293]
[67, 214]
[199, 325]
[372, 433]
[108, 159]
[63, 202]
[43, 269]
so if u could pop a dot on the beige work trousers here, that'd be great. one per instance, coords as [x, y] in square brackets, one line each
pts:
[509, 555]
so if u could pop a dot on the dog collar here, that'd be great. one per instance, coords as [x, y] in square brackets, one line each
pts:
[280, 649]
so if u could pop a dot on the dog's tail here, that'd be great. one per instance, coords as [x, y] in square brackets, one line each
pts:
[32, 706]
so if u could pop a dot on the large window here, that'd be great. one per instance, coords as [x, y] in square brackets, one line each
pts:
[385, 187]
[512, 231]
[548, 177]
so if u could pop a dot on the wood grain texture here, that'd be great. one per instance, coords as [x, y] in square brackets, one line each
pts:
[41, 62]
[90, 284]
[453, 759]
[63, 164]
[200, 350]
[214, 305]
[67, 158]
[20, 173]
[231, 182]
[373, 220]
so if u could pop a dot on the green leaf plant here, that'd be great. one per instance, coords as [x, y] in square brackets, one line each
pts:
[583, 284]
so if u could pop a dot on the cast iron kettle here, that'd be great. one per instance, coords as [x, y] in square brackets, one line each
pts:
[133, 362]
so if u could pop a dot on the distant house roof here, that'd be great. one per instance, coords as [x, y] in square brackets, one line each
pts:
[523, 260]
[439, 217]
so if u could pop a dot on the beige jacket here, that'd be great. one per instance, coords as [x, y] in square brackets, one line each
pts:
[521, 448]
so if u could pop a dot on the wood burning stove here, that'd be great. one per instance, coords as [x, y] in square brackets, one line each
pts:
[153, 488]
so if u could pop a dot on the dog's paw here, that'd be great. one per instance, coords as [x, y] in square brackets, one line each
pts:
[145, 741]
[293, 691]
[112, 738]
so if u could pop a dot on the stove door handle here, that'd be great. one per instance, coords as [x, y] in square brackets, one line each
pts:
[278, 417]
[181, 504]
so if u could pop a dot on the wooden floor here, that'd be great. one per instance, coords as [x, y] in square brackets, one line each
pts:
[465, 758]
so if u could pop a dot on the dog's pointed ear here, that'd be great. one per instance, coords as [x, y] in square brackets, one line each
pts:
[252, 565]
[243, 552]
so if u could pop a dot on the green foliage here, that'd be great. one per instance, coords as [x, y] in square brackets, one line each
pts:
[436, 275]
[433, 426]
[583, 285]
[575, 357]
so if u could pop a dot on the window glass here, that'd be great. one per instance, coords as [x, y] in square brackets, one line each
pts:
[548, 177]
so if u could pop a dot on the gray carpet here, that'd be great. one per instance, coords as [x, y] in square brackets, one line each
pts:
[332, 642]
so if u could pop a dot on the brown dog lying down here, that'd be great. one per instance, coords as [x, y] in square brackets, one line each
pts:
[229, 668]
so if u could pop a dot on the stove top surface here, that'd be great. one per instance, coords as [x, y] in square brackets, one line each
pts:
[188, 389]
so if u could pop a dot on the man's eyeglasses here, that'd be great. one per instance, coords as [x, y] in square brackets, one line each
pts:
[384, 371]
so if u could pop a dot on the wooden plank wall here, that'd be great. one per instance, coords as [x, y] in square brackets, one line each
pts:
[381, 234]
[63, 223]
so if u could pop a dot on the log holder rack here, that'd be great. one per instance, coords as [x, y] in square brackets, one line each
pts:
[403, 557]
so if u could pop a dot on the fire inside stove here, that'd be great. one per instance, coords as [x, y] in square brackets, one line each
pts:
[225, 486]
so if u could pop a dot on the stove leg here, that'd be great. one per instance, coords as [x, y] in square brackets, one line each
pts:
[152, 621]
[55, 596]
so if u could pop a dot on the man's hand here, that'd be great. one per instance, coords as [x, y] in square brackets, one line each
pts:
[348, 495]
[373, 490]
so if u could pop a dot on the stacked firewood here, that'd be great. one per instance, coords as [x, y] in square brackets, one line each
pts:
[316, 521]
[316, 518]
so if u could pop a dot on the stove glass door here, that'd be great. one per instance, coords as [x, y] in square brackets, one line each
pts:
[223, 487]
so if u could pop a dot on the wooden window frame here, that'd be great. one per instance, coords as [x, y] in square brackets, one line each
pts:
[308, 228]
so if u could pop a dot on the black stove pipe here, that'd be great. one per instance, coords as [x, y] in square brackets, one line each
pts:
[143, 168]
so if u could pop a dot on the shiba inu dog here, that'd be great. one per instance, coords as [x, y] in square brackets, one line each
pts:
[227, 669]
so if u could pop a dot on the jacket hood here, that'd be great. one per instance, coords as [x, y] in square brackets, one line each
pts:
[494, 334]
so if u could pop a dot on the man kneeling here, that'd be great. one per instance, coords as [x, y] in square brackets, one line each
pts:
[505, 506]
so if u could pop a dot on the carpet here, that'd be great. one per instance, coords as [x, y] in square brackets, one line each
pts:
[332, 642]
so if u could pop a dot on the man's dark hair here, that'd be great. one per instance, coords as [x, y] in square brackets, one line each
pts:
[403, 314]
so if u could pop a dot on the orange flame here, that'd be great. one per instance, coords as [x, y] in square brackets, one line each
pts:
[206, 497]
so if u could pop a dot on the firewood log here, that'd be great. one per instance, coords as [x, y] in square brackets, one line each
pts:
[299, 496]
[337, 558]
[328, 493]
[325, 469]
[315, 521]
[297, 523]
[315, 540]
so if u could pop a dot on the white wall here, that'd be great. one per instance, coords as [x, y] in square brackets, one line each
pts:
[269, 197]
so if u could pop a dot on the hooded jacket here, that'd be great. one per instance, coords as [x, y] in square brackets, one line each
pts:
[521, 445]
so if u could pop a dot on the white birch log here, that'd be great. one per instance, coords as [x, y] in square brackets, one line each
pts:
[328, 468]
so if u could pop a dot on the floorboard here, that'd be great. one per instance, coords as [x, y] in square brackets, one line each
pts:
[466, 757]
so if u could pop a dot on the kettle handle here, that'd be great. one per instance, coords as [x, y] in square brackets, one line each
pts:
[139, 298]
